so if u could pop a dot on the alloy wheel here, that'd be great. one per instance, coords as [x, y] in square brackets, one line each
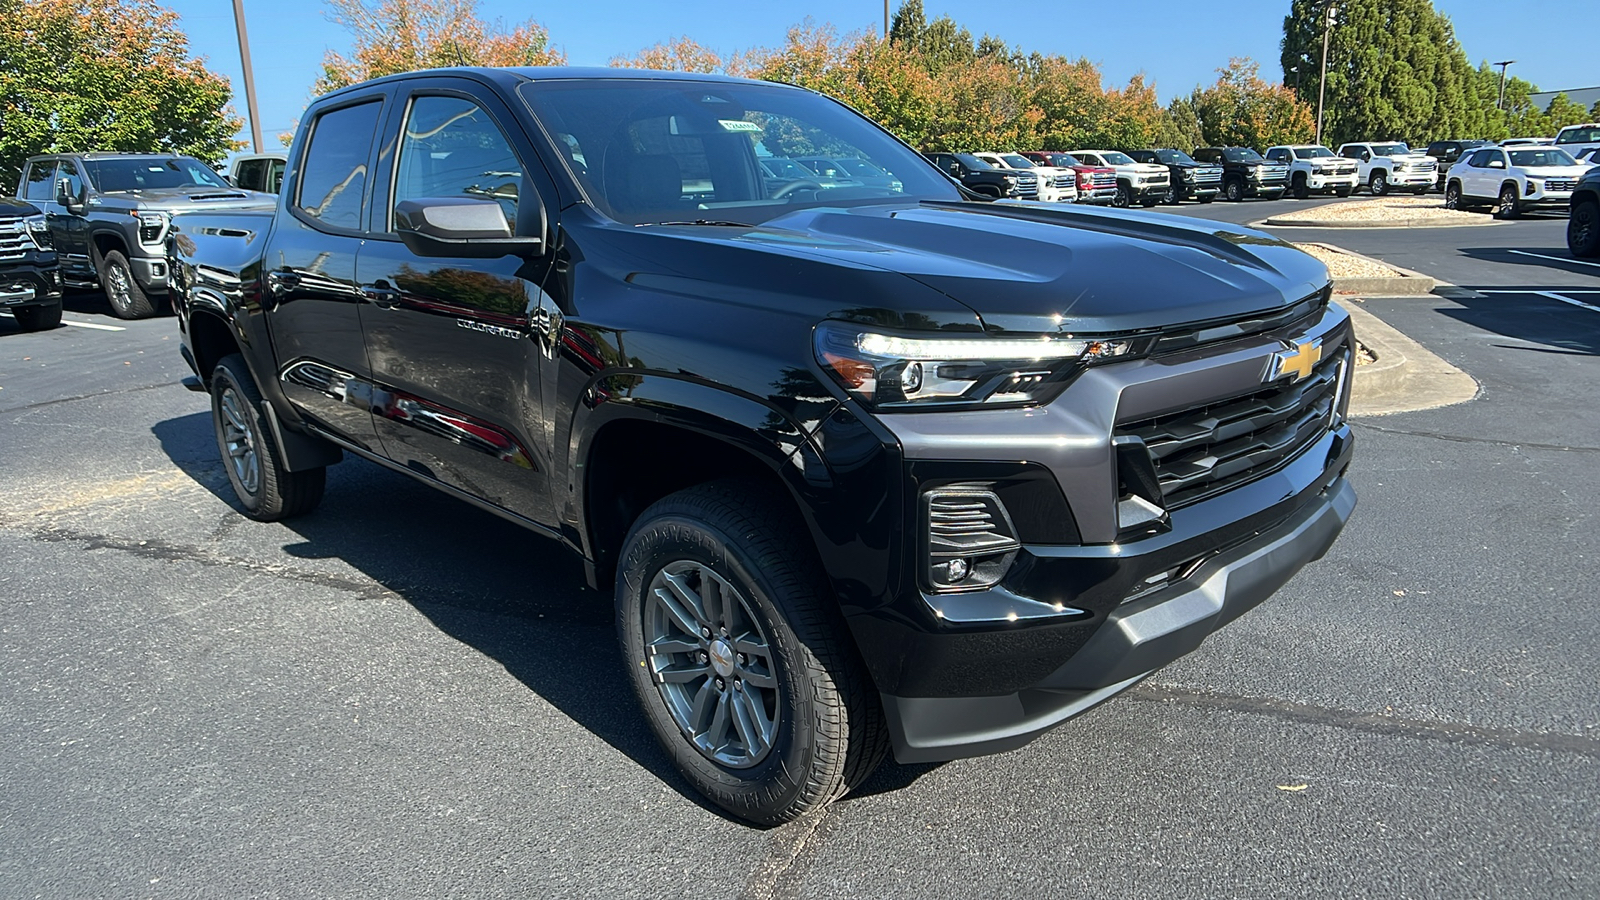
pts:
[118, 280]
[239, 440]
[1452, 197]
[712, 664]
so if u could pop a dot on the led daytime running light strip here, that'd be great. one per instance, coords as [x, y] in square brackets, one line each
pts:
[889, 346]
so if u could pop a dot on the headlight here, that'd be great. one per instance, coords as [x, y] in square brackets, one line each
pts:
[152, 225]
[39, 228]
[888, 370]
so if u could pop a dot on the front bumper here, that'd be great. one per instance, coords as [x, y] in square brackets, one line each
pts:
[28, 285]
[1276, 188]
[151, 273]
[1543, 199]
[1413, 179]
[1100, 196]
[1318, 181]
[1146, 633]
[1158, 189]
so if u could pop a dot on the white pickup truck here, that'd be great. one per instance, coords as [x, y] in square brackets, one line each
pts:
[1314, 169]
[1137, 182]
[1391, 164]
[1056, 185]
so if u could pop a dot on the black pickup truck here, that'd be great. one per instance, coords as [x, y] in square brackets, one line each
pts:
[30, 285]
[1246, 173]
[863, 467]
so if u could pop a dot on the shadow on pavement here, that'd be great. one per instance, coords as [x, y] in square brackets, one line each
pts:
[515, 596]
[1563, 260]
[1526, 316]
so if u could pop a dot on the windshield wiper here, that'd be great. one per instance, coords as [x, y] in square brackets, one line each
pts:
[714, 222]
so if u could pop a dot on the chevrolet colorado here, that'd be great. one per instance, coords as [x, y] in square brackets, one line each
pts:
[864, 468]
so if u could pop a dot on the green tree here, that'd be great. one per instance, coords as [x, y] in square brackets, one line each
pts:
[1244, 110]
[1395, 71]
[1180, 126]
[677, 55]
[105, 75]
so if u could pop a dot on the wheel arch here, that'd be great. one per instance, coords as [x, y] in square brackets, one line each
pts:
[104, 240]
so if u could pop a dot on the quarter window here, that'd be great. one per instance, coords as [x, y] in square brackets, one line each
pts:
[451, 148]
[334, 174]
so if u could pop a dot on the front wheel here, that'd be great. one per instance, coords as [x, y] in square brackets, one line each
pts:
[1206, 198]
[267, 491]
[1452, 196]
[1124, 197]
[1508, 206]
[1233, 190]
[1583, 229]
[1378, 184]
[740, 660]
[128, 300]
[1344, 191]
[1148, 201]
[38, 318]
[1174, 195]
[1302, 190]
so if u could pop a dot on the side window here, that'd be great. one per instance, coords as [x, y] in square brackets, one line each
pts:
[451, 148]
[41, 181]
[334, 174]
[1477, 160]
[274, 176]
[69, 171]
[247, 175]
[1275, 154]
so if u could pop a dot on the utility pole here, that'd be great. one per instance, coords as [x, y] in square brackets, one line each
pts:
[1322, 82]
[1501, 102]
[249, 76]
[886, 19]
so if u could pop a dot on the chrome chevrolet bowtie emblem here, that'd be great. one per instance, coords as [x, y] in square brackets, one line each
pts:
[1297, 361]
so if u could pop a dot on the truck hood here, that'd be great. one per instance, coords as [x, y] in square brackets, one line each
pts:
[17, 209]
[1024, 268]
[184, 199]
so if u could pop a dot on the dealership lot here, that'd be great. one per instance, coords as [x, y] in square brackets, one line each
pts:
[402, 696]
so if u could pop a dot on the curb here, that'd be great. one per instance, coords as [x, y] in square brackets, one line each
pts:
[1406, 376]
[1408, 283]
[1290, 222]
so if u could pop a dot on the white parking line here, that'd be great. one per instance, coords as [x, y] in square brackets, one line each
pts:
[1552, 295]
[1564, 259]
[95, 325]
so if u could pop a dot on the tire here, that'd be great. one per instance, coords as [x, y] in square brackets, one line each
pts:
[127, 299]
[1124, 197]
[1452, 196]
[1174, 195]
[987, 191]
[1508, 207]
[1302, 191]
[1344, 191]
[1148, 202]
[1273, 195]
[1378, 183]
[38, 318]
[1206, 198]
[1233, 190]
[267, 491]
[824, 729]
[1583, 229]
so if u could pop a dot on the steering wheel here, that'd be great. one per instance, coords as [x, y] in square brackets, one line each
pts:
[793, 186]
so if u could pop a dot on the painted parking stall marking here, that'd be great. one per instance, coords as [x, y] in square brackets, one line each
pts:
[1592, 303]
[1559, 259]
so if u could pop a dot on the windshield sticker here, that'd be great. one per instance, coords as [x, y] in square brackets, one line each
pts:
[739, 125]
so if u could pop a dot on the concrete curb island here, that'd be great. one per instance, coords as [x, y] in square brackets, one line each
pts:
[1405, 376]
[1404, 283]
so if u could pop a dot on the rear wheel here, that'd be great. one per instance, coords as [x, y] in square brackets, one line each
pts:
[1378, 184]
[741, 662]
[1583, 229]
[38, 318]
[128, 300]
[267, 491]
[1508, 206]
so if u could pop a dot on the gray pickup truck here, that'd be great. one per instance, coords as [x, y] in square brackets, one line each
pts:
[109, 215]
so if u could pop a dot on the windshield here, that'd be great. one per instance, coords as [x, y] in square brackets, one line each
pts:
[860, 167]
[670, 151]
[1390, 150]
[1533, 159]
[1241, 155]
[1018, 161]
[972, 162]
[1113, 158]
[1312, 152]
[136, 174]
[1174, 156]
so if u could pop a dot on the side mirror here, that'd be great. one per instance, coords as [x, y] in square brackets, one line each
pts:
[1497, 164]
[65, 197]
[464, 227]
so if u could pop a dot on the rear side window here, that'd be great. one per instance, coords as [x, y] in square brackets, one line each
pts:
[334, 174]
[451, 148]
[247, 174]
[40, 179]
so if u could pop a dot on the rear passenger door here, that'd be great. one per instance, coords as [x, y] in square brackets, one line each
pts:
[455, 351]
[314, 307]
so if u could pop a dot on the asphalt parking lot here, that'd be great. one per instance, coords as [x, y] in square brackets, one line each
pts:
[402, 696]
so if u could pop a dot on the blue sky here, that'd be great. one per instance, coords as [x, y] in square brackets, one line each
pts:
[289, 37]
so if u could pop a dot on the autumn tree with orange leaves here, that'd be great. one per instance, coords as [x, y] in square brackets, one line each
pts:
[681, 54]
[1244, 110]
[392, 36]
[104, 75]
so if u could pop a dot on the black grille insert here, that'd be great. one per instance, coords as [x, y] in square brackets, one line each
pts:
[1202, 452]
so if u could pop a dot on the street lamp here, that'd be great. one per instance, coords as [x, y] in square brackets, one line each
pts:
[249, 75]
[1331, 13]
[1501, 102]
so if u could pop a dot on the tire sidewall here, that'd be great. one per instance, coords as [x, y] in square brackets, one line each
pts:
[222, 379]
[1591, 213]
[1378, 184]
[1233, 190]
[1452, 195]
[770, 784]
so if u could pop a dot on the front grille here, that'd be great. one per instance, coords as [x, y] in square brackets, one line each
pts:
[1063, 180]
[1159, 179]
[1341, 170]
[1560, 184]
[14, 240]
[1208, 176]
[1202, 452]
[1105, 179]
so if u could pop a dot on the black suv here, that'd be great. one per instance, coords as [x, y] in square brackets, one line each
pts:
[30, 286]
[1246, 173]
[1448, 153]
[981, 178]
[1190, 177]
[863, 468]
[109, 215]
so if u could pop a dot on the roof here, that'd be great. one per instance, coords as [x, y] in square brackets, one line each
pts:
[1584, 97]
[510, 76]
[108, 154]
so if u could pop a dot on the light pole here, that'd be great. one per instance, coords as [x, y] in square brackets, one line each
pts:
[249, 76]
[1501, 102]
[1322, 82]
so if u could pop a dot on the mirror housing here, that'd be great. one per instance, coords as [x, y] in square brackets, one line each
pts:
[64, 196]
[466, 227]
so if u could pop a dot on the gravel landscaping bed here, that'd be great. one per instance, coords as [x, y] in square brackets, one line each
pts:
[1412, 211]
[1347, 265]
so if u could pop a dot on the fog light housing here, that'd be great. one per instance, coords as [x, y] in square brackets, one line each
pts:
[970, 539]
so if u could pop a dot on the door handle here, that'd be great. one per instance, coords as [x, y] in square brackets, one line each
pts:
[381, 295]
[284, 280]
